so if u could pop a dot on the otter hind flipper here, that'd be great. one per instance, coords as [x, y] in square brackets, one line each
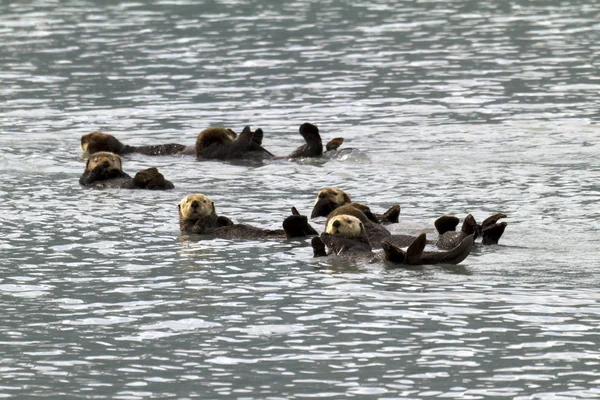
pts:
[297, 226]
[491, 220]
[295, 211]
[492, 234]
[415, 250]
[314, 144]
[318, 247]
[391, 216]
[453, 256]
[446, 223]
[393, 254]
[252, 140]
[310, 133]
[334, 143]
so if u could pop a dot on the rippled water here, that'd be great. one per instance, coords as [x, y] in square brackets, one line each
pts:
[452, 108]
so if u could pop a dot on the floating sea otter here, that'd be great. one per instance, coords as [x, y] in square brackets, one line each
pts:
[345, 236]
[197, 214]
[329, 199]
[215, 143]
[104, 170]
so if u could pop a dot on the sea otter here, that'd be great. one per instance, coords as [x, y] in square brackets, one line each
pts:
[224, 144]
[345, 236]
[215, 143]
[97, 141]
[329, 199]
[489, 230]
[197, 214]
[104, 170]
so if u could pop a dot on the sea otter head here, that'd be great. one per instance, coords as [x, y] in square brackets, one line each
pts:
[98, 141]
[328, 200]
[345, 226]
[195, 207]
[103, 165]
[214, 135]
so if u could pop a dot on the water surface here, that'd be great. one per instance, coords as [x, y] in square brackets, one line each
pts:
[452, 108]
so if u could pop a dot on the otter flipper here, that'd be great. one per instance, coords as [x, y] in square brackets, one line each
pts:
[446, 223]
[297, 226]
[151, 179]
[318, 247]
[453, 256]
[415, 250]
[393, 254]
[251, 141]
[390, 216]
[295, 211]
[491, 220]
[492, 234]
[334, 143]
[313, 146]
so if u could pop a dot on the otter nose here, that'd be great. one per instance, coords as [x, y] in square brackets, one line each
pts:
[336, 224]
[195, 204]
[106, 164]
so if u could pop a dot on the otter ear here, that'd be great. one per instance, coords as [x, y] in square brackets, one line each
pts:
[346, 198]
[179, 207]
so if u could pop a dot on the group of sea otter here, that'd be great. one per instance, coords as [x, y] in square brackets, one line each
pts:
[352, 231]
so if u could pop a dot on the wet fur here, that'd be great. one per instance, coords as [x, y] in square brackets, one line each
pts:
[98, 142]
[207, 222]
[104, 170]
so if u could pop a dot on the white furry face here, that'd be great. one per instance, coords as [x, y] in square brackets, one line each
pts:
[335, 195]
[196, 206]
[113, 161]
[345, 226]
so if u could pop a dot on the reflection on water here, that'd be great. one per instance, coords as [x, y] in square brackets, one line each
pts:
[445, 107]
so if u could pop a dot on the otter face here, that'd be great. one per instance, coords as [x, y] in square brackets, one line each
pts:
[104, 160]
[196, 206]
[345, 226]
[97, 141]
[328, 200]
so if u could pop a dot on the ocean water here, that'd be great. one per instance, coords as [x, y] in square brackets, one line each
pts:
[446, 107]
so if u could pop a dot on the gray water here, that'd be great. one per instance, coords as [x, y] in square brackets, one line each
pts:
[451, 107]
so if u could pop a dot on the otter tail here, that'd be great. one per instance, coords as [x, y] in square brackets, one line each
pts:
[157, 150]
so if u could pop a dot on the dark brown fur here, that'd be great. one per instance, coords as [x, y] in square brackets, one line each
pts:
[97, 141]
[223, 227]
